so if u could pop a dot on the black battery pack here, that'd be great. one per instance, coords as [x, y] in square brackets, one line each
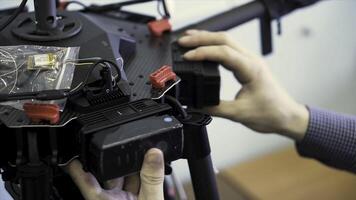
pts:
[200, 85]
[118, 141]
[120, 150]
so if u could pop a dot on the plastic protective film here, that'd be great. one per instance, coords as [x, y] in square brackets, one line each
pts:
[29, 68]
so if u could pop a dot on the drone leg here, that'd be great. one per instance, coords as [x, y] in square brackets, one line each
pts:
[197, 152]
[203, 178]
[34, 175]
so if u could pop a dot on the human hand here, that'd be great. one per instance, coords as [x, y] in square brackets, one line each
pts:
[262, 104]
[151, 177]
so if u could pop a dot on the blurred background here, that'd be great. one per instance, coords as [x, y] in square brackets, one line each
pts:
[314, 59]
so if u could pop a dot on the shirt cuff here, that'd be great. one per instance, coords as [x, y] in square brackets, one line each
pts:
[331, 139]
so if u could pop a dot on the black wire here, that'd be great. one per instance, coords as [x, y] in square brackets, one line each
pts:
[15, 190]
[166, 12]
[90, 71]
[177, 105]
[114, 6]
[159, 8]
[60, 94]
[14, 15]
[75, 2]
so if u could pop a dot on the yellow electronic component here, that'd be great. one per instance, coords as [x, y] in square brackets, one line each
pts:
[42, 62]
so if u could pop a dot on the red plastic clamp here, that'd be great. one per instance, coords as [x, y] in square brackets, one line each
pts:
[160, 77]
[42, 112]
[158, 27]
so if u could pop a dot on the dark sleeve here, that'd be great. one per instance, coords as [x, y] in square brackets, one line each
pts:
[331, 139]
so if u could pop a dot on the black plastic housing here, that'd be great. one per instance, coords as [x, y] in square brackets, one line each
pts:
[120, 150]
[114, 140]
[200, 85]
[88, 101]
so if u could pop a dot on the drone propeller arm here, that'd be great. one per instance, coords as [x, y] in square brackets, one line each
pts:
[231, 18]
[265, 10]
[248, 12]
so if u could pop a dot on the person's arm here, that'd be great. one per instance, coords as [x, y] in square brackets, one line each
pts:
[263, 105]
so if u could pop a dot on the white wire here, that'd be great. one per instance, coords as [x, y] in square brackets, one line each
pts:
[68, 61]
[76, 87]
[74, 61]
[16, 71]
[121, 60]
[79, 64]
[10, 72]
[31, 83]
[5, 60]
[4, 55]
[121, 67]
[68, 161]
[4, 84]
[81, 59]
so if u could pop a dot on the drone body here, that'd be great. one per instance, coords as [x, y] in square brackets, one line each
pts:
[109, 126]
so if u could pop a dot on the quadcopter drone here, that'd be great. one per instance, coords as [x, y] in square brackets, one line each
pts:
[127, 99]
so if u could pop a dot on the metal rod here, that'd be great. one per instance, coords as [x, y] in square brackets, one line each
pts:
[231, 18]
[203, 178]
[46, 14]
[35, 179]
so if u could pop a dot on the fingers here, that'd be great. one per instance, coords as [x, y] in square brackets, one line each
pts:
[225, 110]
[230, 58]
[86, 182]
[218, 47]
[90, 188]
[114, 183]
[132, 184]
[194, 38]
[152, 176]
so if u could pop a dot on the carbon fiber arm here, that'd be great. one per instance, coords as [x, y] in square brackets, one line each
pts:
[278, 8]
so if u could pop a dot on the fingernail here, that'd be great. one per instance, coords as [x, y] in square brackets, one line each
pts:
[189, 54]
[154, 158]
[191, 31]
[183, 40]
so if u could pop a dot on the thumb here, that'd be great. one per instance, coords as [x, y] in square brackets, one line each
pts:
[152, 176]
[86, 182]
[225, 110]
